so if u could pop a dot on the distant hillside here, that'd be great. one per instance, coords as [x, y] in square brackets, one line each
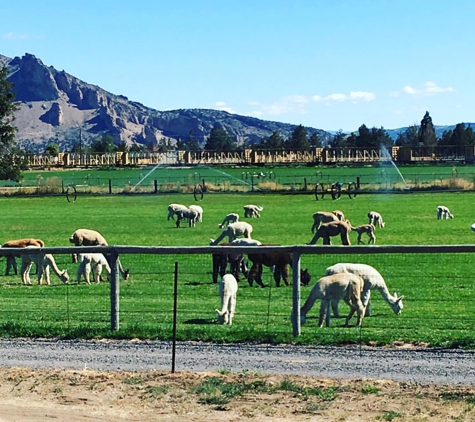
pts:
[58, 107]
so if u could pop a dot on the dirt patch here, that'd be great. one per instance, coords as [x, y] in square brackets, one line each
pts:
[43, 395]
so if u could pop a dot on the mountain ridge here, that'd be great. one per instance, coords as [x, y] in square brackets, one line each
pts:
[58, 107]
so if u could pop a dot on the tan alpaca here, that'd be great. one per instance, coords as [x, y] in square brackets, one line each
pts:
[332, 229]
[368, 229]
[241, 228]
[92, 261]
[19, 243]
[43, 263]
[87, 237]
[330, 289]
[321, 217]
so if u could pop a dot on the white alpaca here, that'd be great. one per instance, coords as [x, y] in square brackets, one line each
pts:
[234, 230]
[199, 210]
[189, 214]
[43, 263]
[244, 241]
[376, 219]
[230, 218]
[373, 280]
[321, 217]
[92, 261]
[443, 213]
[365, 228]
[332, 288]
[252, 211]
[173, 209]
[228, 288]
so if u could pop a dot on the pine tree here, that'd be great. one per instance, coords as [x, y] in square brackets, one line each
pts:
[427, 135]
[220, 140]
[11, 160]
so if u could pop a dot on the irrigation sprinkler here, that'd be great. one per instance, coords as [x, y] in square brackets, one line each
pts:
[336, 190]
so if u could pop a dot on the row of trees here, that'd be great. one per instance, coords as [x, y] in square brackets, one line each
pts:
[12, 159]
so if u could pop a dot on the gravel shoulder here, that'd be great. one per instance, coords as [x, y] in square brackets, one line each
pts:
[422, 365]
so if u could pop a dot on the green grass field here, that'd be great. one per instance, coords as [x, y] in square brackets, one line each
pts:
[296, 178]
[438, 287]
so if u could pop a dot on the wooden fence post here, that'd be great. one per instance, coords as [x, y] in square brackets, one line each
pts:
[296, 293]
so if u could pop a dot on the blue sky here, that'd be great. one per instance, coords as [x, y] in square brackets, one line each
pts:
[328, 64]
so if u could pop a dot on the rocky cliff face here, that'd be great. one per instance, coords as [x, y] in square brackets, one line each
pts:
[58, 107]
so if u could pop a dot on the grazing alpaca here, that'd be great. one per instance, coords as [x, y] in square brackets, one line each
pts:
[43, 263]
[376, 219]
[236, 260]
[173, 209]
[230, 218]
[365, 228]
[92, 261]
[334, 228]
[199, 210]
[19, 243]
[190, 214]
[330, 289]
[373, 280]
[321, 217]
[443, 213]
[227, 290]
[234, 230]
[87, 237]
[281, 261]
[252, 211]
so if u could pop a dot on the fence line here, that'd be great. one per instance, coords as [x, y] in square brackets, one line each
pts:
[299, 252]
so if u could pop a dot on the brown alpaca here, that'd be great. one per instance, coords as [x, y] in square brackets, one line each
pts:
[334, 228]
[281, 261]
[19, 243]
[221, 260]
[321, 217]
[368, 229]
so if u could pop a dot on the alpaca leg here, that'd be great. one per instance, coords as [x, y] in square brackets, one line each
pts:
[259, 275]
[25, 272]
[11, 263]
[80, 271]
[97, 271]
[366, 301]
[334, 306]
[321, 316]
[46, 271]
[232, 308]
[277, 275]
[286, 274]
[252, 274]
[87, 272]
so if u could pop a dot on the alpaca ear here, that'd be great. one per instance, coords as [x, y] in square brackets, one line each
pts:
[401, 297]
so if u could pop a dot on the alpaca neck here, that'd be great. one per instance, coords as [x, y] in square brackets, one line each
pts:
[312, 298]
[388, 297]
[49, 260]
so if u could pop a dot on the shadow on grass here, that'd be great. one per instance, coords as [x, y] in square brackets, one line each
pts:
[201, 321]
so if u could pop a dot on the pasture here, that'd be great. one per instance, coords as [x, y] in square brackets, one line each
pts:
[438, 288]
[380, 176]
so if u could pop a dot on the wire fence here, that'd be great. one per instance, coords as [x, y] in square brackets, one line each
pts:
[172, 289]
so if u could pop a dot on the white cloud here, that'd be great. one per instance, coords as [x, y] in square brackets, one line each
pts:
[221, 105]
[13, 36]
[354, 96]
[362, 96]
[428, 89]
